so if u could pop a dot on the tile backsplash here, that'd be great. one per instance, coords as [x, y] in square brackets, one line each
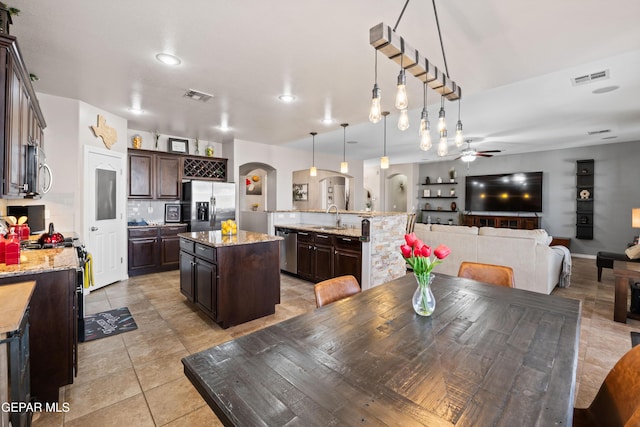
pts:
[151, 211]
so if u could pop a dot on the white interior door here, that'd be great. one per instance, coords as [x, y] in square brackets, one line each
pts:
[104, 219]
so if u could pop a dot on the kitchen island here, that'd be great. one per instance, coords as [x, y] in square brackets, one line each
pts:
[53, 316]
[231, 278]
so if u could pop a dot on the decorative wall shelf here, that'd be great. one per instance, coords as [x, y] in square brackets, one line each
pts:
[584, 199]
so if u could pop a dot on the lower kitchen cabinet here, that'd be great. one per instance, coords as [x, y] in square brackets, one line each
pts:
[53, 329]
[231, 284]
[153, 249]
[323, 256]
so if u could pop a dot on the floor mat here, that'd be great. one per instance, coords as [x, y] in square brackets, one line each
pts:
[635, 338]
[107, 323]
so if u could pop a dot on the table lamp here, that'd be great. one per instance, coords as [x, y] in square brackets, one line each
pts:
[635, 221]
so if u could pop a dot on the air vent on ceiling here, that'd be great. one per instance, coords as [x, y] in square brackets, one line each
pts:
[590, 78]
[598, 132]
[197, 95]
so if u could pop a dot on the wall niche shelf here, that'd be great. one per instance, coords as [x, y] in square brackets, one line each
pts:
[584, 199]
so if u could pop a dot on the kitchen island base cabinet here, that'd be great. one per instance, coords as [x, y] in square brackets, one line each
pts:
[231, 283]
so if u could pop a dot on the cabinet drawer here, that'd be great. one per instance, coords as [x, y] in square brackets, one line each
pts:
[205, 252]
[323, 239]
[172, 230]
[305, 236]
[187, 245]
[348, 243]
[143, 232]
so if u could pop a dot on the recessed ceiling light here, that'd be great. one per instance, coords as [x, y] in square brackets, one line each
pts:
[327, 121]
[137, 111]
[287, 98]
[168, 59]
[224, 128]
[606, 89]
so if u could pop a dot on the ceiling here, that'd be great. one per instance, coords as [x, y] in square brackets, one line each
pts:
[514, 61]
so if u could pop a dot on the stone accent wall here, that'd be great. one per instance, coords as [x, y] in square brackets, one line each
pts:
[387, 234]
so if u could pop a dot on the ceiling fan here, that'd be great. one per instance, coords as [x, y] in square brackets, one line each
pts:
[469, 154]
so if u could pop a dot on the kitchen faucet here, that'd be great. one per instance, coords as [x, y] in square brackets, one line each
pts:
[337, 214]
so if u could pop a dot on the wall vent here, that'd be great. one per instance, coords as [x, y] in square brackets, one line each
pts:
[196, 95]
[598, 132]
[590, 78]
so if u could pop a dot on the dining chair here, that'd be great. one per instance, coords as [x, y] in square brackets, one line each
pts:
[335, 289]
[411, 222]
[488, 273]
[617, 403]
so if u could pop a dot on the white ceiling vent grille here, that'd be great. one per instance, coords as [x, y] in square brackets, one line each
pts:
[197, 95]
[590, 78]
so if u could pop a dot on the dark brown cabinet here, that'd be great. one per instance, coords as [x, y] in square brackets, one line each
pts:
[21, 120]
[154, 249]
[231, 284]
[53, 332]
[154, 175]
[323, 256]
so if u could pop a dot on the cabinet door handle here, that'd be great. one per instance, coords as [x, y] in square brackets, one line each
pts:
[344, 239]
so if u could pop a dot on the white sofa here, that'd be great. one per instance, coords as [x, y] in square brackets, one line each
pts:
[536, 266]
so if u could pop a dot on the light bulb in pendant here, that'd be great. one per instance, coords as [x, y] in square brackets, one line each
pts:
[442, 124]
[459, 137]
[344, 167]
[403, 121]
[313, 171]
[443, 148]
[425, 141]
[375, 111]
[402, 102]
[384, 162]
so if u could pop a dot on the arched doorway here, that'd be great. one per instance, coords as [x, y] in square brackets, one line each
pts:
[396, 193]
[257, 195]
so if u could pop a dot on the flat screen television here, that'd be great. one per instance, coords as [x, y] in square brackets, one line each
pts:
[514, 192]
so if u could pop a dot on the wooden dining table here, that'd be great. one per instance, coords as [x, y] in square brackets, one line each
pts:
[488, 356]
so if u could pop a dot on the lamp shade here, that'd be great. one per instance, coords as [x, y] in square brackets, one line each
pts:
[635, 217]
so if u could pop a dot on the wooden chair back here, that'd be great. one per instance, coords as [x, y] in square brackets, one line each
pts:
[335, 289]
[495, 274]
[411, 222]
[617, 403]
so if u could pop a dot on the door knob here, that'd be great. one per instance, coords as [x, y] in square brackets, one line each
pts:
[94, 228]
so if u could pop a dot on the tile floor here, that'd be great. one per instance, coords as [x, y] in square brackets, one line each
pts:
[136, 378]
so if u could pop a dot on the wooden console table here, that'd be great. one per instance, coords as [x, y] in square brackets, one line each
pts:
[624, 272]
[503, 221]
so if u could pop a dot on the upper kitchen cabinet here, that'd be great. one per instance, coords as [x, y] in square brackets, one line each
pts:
[154, 175]
[22, 122]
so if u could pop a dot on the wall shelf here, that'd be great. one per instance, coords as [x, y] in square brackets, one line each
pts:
[584, 206]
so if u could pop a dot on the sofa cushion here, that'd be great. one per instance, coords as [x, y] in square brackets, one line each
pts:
[633, 252]
[455, 229]
[539, 235]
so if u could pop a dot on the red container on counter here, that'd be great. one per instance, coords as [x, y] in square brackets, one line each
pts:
[12, 249]
[3, 247]
[22, 230]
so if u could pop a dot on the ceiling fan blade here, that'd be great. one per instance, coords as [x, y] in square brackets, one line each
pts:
[459, 157]
[483, 155]
[490, 151]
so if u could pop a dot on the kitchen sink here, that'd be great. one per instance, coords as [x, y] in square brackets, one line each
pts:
[327, 228]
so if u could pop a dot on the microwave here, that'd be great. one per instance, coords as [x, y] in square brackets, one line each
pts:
[34, 214]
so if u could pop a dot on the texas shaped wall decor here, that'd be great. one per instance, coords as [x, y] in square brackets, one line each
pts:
[107, 133]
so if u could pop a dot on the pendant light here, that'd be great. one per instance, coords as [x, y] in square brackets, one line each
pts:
[384, 160]
[425, 126]
[459, 137]
[443, 148]
[442, 124]
[402, 102]
[403, 121]
[374, 113]
[313, 171]
[344, 166]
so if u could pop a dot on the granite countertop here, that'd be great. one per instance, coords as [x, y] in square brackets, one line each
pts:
[363, 214]
[14, 300]
[171, 224]
[41, 261]
[327, 229]
[217, 239]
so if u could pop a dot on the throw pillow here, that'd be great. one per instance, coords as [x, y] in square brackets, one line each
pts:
[633, 252]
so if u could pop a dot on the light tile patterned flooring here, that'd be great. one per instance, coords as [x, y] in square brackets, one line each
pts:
[136, 378]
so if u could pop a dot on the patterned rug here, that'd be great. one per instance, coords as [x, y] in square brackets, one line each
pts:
[107, 323]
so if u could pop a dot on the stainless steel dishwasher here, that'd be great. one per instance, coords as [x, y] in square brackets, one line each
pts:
[288, 250]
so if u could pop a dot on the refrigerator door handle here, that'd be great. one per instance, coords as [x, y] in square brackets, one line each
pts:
[213, 212]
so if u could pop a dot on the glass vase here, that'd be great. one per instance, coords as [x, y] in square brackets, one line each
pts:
[424, 303]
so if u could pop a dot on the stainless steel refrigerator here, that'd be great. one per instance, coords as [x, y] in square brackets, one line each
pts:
[206, 204]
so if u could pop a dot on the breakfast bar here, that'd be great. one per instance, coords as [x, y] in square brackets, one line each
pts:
[488, 356]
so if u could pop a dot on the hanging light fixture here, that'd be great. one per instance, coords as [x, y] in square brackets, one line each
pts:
[374, 113]
[313, 171]
[403, 121]
[425, 126]
[442, 123]
[402, 102]
[384, 160]
[344, 166]
[459, 137]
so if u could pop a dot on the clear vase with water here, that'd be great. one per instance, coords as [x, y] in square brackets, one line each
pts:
[424, 303]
